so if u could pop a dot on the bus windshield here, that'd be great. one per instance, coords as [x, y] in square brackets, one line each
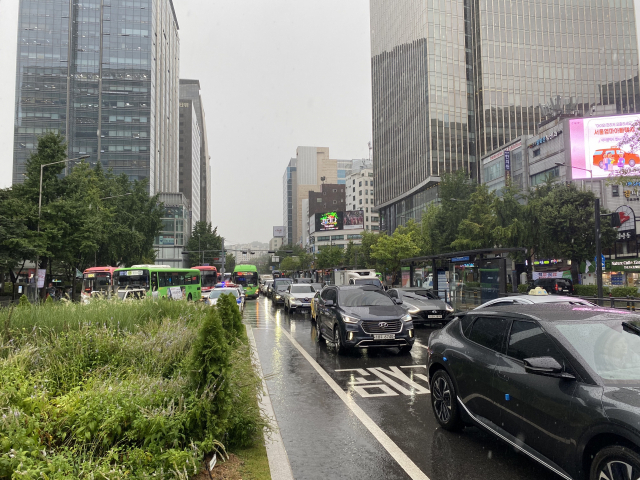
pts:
[96, 282]
[133, 279]
[209, 278]
[245, 278]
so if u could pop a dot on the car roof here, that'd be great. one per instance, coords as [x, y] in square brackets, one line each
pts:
[356, 287]
[537, 299]
[550, 312]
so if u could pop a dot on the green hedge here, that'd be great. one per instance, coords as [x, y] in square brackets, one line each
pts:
[523, 288]
[123, 389]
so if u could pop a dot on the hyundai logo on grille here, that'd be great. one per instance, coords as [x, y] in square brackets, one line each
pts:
[383, 324]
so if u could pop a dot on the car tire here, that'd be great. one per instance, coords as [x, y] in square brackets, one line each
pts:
[337, 340]
[190, 298]
[319, 337]
[405, 349]
[610, 462]
[444, 401]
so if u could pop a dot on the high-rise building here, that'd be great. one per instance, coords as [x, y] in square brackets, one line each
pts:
[454, 80]
[190, 150]
[104, 74]
[305, 173]
[175, 232]
[190, 90]
[359, 196]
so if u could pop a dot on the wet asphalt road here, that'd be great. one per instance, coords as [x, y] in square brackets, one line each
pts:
[325, 439]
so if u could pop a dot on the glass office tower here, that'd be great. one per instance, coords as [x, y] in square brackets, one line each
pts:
[454, 80]
[103, 73]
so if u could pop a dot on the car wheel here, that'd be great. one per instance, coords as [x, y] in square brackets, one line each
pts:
[615, 463]
[337, 339]
[405, 349]
[319, 337]
[444, 401]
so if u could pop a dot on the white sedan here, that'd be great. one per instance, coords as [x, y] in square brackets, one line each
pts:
[298, 296]
[216, 293]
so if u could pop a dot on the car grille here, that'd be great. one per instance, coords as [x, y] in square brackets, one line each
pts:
[373, 326]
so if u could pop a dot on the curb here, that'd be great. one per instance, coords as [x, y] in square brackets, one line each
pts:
[276, 453]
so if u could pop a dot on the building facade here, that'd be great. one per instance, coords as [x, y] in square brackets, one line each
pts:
[175, 232]
[360, 196]
[307, 172]
[455, 80]
[190, 150]
[190, 89]
[104, 74]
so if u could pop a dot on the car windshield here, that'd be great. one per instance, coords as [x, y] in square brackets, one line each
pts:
[217, 293]
[302, 289]
[612, 352]
[364, 298]
[420, 294]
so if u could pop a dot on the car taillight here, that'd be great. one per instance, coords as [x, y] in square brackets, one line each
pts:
[556, 287]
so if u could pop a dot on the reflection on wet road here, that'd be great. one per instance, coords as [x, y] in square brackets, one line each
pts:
[366, 414]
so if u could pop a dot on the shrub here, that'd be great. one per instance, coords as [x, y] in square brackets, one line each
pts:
[523, 288]
[589, 290]
[624, 292]
[24, 301]
[115, 389]
[231, 318]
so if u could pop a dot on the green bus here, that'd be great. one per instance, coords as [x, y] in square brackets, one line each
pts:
[158, 281]
[247, 277]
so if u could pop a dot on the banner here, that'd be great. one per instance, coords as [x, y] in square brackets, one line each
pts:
[42, 273]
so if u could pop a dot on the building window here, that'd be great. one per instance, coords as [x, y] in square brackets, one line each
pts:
[335, 202]
[615, 191]
[354, 182]
[360, 193]
[354, 199]
[335, 190]
[536, 152]
[360, 201]
[375, 219]
[542, 177]
[318, 200]
[367, 209]
[354, 188]
[366, 219]
[366, 183]
[360, 183]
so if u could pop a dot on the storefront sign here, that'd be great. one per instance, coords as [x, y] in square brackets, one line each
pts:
[510, 148]
[459, 259]
[546, 139]
[627, 220]
[507, 164]
[538, 275]
[42, 273]
[553, 261]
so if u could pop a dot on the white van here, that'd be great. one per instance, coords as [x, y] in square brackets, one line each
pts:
[356, 277]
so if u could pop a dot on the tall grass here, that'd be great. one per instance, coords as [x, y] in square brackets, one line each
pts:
[122, 389]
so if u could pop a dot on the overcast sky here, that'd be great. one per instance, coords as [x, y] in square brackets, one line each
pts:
[274, 74]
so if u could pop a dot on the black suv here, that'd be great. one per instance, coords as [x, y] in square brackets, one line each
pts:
[555, 286]
[560, 383]
[278, 290]
[362, 316]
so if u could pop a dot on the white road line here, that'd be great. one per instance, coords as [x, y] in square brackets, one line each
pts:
[279, 465]
[389, 445]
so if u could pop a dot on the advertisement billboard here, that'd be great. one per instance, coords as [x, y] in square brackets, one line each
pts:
[326, 222]
[594, 147]
[354, 220]
[278, 232]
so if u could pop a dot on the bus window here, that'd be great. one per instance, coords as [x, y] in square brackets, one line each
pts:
[154, 281]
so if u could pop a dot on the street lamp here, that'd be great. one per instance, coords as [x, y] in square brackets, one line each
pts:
[578, 168]
[40, 205]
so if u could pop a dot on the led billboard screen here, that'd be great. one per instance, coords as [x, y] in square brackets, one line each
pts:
[594, 147]
[329, 221]
[354, 220]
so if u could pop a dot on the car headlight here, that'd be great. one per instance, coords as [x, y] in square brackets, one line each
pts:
[348, 319]
[278, 297]
[406, 318]
[449, 308]
[412, 308]
[296, 302]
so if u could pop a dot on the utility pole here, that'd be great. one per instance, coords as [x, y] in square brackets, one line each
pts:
[224, 258]
[598, 251]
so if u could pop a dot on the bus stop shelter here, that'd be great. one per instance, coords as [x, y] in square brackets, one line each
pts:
[469, 277]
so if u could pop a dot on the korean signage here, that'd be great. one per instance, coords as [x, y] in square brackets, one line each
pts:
[594, 147]
[627, 219]
[546, 138]
[510, 148]
[507, 164]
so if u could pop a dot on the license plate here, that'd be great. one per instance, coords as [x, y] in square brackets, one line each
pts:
[384, 337]
[435, 316]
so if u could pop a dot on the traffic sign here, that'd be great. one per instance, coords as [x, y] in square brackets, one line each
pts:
[603, 261]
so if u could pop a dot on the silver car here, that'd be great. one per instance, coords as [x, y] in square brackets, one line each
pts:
[423, 305]
[535, 299]
[298, 296]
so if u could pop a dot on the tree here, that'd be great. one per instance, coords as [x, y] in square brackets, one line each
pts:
[290, 264]
[329, 257]
[229, 262]
[565, 216]
[369, 239]
[389, 251]
[204, 238]
[479, 228]
[353, 255]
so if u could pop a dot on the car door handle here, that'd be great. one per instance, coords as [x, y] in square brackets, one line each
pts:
[502, 376]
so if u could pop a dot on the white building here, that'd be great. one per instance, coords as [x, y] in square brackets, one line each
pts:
[359, 196]
[275, 243]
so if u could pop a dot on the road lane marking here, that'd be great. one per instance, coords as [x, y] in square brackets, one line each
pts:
[279, 465]
[389, 445]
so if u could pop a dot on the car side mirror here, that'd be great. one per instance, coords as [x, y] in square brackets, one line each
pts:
[398, 301]
[328, 303]
[547, 366]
